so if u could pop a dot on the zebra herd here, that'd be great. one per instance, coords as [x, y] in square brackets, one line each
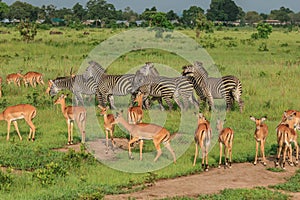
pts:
[95, 81]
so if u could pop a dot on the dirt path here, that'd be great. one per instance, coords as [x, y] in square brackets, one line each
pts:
[241, 175]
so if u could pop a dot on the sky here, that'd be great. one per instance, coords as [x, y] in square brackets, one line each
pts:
[261, 6]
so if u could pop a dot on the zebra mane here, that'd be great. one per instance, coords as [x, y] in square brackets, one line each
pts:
[90, 70]
[148, 70]
[199, 67]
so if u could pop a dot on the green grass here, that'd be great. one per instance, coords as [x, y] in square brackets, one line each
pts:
[270, 86]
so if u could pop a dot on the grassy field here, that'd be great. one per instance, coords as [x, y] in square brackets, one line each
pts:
[268, 70]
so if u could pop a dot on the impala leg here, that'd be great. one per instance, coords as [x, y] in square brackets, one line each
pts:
[284, 155]
[220, 160]
[262, 149]
[112, 137]
[8, 129]
[279, 149]
[297, 152]
[256, 152]
[69, 132]
[196, 153]
[17, 129]
[32, 130]
[133, 140]
[157, 146]
[230, 154]
[168, 146]
[141, 149]
[106, 137]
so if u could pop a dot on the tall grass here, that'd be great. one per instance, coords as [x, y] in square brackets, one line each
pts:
[270, 86]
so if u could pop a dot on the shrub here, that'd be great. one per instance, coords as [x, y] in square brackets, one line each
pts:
[263, 47]
[5, 180]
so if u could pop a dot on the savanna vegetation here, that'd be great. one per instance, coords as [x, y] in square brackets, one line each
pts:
[268, 69]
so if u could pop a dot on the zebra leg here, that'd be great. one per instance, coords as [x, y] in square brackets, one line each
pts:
[169, 102]
[112, 102]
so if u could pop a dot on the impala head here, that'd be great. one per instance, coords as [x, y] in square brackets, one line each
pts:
[290, 118]
[103, 110]
[258, 122]
[60, 99]
[139, 97]
[201, 118]
[118, 116]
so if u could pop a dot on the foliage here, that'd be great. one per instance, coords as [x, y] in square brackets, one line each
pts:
[202, 24]
[292, 185]
[263, 47]
[49, 174]
[27, 30]
[264, 30]
[6, 180]
[252, 17]
[190, 16]
[223, 10]
[159, 19]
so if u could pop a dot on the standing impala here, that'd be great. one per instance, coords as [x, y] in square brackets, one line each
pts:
[260, 135]
[33, 78]
[71, 114]
[286, 134]
[147, 131]
[109, 125]
[226, 139]
[135, 114]
[14, 78]
[20, 111]
[202, 138]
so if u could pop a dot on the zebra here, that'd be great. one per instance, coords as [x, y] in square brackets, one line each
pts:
[178, 88]
[78, 85]
[108, 85]
[226, 87]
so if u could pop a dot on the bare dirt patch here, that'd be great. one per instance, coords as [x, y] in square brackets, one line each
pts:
[241, 175]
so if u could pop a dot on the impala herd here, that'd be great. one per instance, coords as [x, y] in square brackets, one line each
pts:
[140, 131]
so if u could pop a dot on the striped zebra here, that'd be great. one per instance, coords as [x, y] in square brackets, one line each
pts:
[178, 88]
[108, 85]
[78, 85]
[227, 87]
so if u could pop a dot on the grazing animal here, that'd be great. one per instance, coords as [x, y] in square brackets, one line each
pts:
[14, 78]
[202, 137]
[286, 134]
[260, 135]
[33, 78]
[226, 87]
[146, 131]
[226, 139]
[178, 88]
[135, 114]
[109, 125]
[20, 111]
[71, 114]
[55, 33]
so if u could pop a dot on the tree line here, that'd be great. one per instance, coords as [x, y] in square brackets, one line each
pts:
[106, 13]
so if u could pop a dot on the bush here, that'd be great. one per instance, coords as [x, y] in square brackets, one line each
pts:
[5, 180]
[263, 47]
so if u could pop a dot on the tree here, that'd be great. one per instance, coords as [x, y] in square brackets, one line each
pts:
[189, 16]
[295, 17]
[79, 13]
[171, 15]
[99, 9]
[252, 17]
[4, 9]
[129, 15]
[23, 10]
[202, 24]
[223, 10]
[263, 31]
[27, 30]
[159, 19]
[282, 14]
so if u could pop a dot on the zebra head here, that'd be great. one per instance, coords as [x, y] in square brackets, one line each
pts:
[53, 88]
[94, 70]
[144, 76]
[188, 70]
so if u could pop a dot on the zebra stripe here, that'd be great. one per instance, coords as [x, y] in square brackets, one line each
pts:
[108, 85]
[178, 88]
[227, 87]
[78, 85]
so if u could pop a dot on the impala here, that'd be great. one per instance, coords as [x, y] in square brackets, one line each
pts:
[71, 114]
[109, 125]
[202, 138]
[146, 131]
[33, 78]
[226, 139]
[286, 134]
[135, 114]
[14, 78]
[20, 111]
[260, 135]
